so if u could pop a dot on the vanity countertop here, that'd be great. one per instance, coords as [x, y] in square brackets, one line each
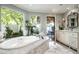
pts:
[69, 31]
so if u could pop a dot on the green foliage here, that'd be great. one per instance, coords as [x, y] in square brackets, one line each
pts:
[61, 27]
[31, 26]
[35, 30]
[10, 17]
[33, 21]
[9, 32]
[16, 34]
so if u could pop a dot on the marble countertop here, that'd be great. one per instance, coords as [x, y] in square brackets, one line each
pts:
[69, 31]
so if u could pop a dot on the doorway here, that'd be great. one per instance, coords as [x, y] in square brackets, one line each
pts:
[51, 27]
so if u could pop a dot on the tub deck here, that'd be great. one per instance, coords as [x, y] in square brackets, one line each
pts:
[37, 47]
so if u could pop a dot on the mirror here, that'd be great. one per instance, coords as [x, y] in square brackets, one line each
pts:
[72, 20]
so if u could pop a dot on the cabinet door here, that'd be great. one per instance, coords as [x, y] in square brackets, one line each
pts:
[61, 37]
[73, 40]
[66, 38]
[58, 37]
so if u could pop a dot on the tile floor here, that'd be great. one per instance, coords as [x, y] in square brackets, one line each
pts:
[58, 49]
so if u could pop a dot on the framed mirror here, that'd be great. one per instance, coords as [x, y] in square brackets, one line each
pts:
[72, 20]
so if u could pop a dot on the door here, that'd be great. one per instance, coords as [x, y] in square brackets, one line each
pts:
[51, 27]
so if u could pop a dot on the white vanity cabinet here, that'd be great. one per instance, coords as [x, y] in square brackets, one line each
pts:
[72, 37]
[62, 37]
[69, 38]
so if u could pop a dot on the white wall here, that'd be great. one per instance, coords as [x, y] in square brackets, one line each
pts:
[58, 18]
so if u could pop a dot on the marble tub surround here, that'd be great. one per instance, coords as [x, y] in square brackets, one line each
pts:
[36, 47]
[1, 37]
[18, 42]
[2, 40]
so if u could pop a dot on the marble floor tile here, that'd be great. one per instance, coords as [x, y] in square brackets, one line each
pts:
[58, 49]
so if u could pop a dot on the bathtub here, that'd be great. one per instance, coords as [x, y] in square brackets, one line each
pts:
[18, 42]
[24, 44]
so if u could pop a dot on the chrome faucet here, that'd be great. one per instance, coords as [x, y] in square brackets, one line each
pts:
[40, 36]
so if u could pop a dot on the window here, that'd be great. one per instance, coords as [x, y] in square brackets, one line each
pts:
[33, 25]
[11, 18]
[12, 22]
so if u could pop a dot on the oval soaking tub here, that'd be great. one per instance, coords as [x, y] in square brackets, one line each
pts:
[18, 42]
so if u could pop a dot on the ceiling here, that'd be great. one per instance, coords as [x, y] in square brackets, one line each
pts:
[47, 8]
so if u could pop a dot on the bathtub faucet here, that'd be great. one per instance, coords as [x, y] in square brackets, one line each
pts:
[40, 36]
